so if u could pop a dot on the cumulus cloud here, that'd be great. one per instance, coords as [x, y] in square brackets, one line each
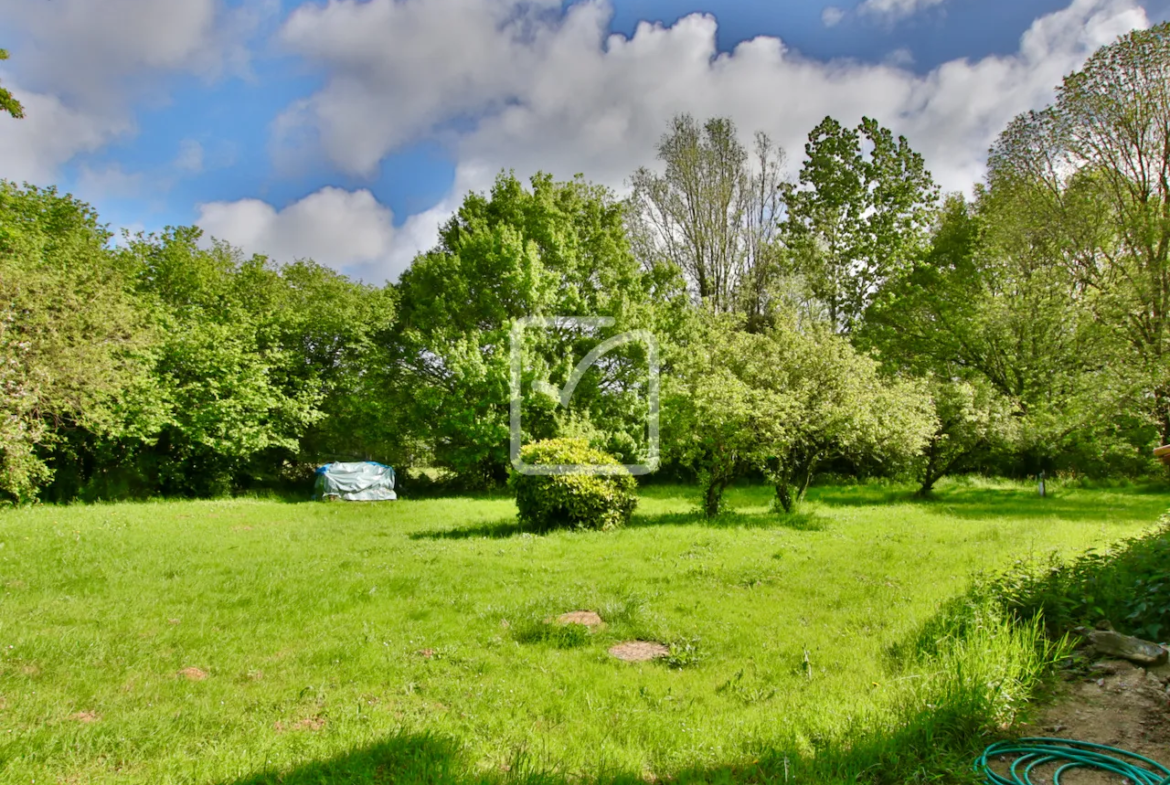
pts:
[109, 182]
[343, 229]
[79, 67]
[32, 149]
[526, 86]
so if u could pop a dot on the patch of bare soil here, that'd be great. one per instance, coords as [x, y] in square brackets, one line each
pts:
[193, 674]
[639, 651]
[1121, 705]
[85, 716]
[587, 618]
[309, 723]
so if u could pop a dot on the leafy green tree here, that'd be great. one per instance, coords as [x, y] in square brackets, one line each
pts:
[996, 323]
[230, 389]
[973, 419]
[333, 333]
[855, 220]
[8, 103]
[1095, 170]
[73, 344]
[830, 401]
[715, 420]
[785, 401]
[557, 250]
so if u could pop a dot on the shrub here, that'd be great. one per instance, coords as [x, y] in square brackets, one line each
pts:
[575, 501]
[1128, 586]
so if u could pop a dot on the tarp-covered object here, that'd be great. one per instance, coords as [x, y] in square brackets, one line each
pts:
[365, 481]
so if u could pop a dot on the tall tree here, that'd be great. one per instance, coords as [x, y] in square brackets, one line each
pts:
[712, 213]
[73, 344]
[994, 320]
[1095, 168]
[855, 221]
[7, 102]
[558, 249]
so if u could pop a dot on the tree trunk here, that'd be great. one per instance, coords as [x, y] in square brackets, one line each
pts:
[927, 487]
[783, 501]
[713, 498]
[1162, 406]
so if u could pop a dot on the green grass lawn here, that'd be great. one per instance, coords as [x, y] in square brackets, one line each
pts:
[341, 642]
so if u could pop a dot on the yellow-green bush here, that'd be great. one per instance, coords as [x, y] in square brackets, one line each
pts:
[572, 501]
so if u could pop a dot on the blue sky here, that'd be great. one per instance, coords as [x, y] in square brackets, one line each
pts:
[347, 131]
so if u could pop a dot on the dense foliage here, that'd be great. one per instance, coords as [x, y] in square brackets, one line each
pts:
[851, 321]
[572, 501]
[1126, 586]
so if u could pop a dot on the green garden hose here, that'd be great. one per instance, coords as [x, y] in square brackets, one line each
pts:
[1070, 754]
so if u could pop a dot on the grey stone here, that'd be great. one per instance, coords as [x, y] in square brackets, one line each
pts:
[1114, 644]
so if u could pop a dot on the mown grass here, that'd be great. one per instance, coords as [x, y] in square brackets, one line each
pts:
[401, 642]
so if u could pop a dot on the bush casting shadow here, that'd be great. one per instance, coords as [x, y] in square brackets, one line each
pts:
[492, 530]
[735, 520]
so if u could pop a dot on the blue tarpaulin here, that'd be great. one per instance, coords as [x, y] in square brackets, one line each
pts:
[364, 481]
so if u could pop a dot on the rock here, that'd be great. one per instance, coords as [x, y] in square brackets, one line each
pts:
[1114, 644]
[1159, 672]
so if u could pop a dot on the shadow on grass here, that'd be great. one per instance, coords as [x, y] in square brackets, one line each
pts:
[491, 530]
[508, 527]
[806, 521]
[932, 745]
[1027, 504]
[1019, 502]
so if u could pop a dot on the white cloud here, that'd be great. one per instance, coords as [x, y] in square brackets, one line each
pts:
[190, 157]
[33, 148]
[893, 10]
[109, 182]
[832, 16]
[556, 92]
[347, 230]
[80, 65]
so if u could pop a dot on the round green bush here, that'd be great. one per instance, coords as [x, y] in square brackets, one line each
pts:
[572, 501]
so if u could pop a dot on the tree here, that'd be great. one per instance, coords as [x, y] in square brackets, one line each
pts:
[855, 222]
[973, 419]
[73, 344]
[8, 103]
[995, 323]
[785, 401]
[228, 384]
[830, 401]
[557, 250]
[711, 214]
[1095, 169]
[715, 420]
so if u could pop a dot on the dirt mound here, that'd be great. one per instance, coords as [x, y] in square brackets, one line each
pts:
[639, 651]
[193, 674]
[587, 618]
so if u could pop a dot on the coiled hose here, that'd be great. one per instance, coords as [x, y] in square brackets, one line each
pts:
[1069, 754]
